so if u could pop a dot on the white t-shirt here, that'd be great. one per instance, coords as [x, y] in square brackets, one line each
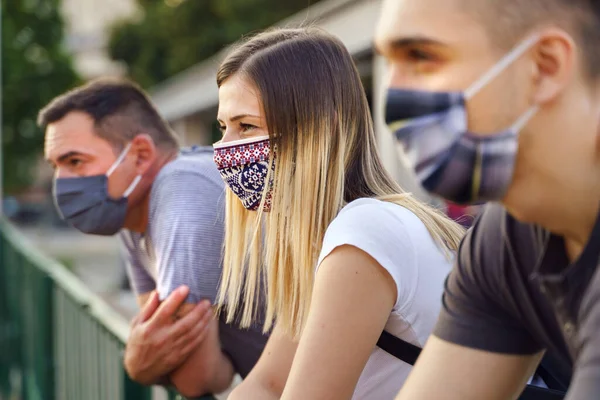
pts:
[401, 244]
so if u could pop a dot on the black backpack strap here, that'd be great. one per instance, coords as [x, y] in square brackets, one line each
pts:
[555, 371]
[397, 347]
[409, 353]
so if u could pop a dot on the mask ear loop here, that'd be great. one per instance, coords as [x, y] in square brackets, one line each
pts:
[516, 128]
[117, 162]
[133, 185]
[493, 72]
[524, 119]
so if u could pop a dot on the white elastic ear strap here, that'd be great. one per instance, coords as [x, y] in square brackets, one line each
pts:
[524, 119]
[507, 60]
[118, 160]
[131, 187]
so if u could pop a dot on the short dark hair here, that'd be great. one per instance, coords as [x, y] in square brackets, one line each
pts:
[120, 110]
[508, 20]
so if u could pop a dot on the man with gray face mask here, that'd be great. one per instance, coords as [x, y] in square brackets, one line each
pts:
[499, 100]
[119, 169]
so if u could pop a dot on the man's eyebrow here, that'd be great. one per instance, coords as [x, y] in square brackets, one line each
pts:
[66, 156]
[408, 41]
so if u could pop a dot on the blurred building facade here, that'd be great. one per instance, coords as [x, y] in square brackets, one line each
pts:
[87, 23]
[189, 100]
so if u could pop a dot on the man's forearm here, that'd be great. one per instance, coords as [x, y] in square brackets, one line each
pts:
[202, 374]
[223, 375]
[206, 370]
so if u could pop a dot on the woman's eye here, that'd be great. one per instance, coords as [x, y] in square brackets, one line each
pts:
[247, 127]
[222, 128]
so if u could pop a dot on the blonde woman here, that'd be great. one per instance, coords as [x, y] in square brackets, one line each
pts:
[344, 252]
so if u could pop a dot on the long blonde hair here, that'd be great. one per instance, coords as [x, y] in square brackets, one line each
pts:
[326, 157]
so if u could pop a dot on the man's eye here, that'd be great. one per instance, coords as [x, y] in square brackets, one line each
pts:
[420, 55]
[222, 128]
[74, 162]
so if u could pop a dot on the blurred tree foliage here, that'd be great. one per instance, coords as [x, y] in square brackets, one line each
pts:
[176, 34]
[35, 68]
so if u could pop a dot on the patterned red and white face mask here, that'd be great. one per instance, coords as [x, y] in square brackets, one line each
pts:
[243, 165]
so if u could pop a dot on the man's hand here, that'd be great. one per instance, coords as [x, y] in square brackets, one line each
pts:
[159, 342]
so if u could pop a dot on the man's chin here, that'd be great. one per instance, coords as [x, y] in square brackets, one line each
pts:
[521, 203]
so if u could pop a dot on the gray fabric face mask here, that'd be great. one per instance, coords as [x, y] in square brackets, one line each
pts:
[85, 204]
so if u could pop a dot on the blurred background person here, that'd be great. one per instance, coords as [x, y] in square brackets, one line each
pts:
[495, 111]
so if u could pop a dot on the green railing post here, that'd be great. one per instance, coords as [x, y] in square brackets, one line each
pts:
[46, 339]
[5, 328]
[37, 320]
[133, 390]
[58, 340]
[14, 281]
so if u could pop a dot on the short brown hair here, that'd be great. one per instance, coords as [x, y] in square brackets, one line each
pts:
[120, 110]
[508, 20]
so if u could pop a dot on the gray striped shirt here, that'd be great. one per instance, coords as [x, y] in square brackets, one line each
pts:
[183, 244]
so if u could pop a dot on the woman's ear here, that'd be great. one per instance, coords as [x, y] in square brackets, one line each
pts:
[145, 151]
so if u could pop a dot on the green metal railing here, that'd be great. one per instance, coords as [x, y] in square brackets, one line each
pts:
[58, 341]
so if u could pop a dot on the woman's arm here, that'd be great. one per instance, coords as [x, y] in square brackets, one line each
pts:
[352, 300]
[267, 379]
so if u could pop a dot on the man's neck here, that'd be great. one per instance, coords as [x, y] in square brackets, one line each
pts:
[566, 207]
[579, 224]
[137, 215]
[571, 214]
[575, 222]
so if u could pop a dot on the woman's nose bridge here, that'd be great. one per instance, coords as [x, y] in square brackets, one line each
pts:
[228, 134]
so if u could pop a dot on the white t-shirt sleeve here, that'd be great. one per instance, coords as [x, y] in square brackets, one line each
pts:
[381, 230]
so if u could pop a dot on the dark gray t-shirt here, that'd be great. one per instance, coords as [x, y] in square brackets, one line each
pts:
[514, 291]
[183, 245]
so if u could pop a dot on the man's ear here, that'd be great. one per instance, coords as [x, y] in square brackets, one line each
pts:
[144, 149]
[554, 61]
